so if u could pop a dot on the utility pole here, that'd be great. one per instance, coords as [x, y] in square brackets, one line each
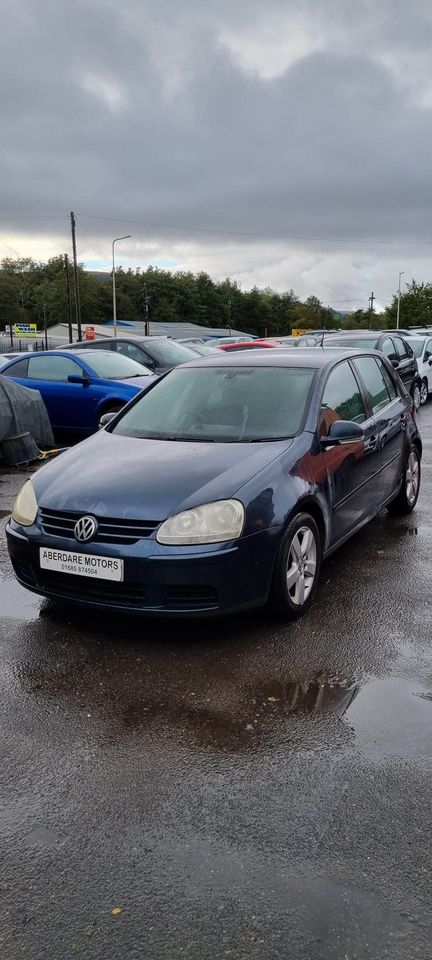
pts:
[146, 310]
[76, 281]
[45, 325]
[401, 273]
[371, 308]
[68, 297]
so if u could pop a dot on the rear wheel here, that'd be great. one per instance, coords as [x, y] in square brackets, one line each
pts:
[409, 491]
[297, 568]
[424, 392]
[416, 395]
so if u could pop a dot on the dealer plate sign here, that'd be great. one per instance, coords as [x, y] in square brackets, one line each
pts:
[81, 564]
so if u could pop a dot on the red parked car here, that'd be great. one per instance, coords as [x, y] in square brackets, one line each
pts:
[248, 345]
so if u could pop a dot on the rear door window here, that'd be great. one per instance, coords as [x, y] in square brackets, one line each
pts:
[371, 372]
[342, 399]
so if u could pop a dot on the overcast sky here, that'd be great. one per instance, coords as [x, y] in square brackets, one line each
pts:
[294, 135]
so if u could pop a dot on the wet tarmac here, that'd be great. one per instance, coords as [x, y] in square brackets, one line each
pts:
[223, 789]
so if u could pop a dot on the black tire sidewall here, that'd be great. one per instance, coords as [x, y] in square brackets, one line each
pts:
[280, 600]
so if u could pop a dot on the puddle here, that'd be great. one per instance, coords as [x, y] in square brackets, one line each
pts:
[16, 603]
[313, 696]
[393, 717]
[43, 836]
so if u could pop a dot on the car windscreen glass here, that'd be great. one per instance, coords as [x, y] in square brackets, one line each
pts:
[221, 404]
[417, 346]
[113, 366]
[168, 353]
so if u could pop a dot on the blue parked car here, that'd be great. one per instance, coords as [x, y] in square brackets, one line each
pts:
[79, 388]
[223, 486]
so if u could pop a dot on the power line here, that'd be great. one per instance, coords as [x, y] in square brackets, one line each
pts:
[256, 236]
[35, 218]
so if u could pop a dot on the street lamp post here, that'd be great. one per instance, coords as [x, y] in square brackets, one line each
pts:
[127, 237]
[398, 300]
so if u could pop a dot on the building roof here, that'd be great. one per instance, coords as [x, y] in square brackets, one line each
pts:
[174, 330]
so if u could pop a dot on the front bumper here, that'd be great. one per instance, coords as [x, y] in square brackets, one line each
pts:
[159, 581]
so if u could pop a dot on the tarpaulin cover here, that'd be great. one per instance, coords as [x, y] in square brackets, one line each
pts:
[23, 411]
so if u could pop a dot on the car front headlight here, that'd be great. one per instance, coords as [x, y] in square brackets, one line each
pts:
[210, 523]
[25, 507]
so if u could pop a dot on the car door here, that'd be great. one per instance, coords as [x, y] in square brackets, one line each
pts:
[407, 368]
[69, 405]
[427, 363]
[389, 408]
[351, 468]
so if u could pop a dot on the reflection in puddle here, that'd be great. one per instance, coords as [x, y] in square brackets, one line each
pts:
[314, 696]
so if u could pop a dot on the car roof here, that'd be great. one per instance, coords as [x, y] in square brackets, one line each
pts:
[309, 357]
[120, 336]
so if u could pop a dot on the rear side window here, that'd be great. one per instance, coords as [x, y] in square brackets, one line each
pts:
[371, 371]
[53, 368]
[342, 399]
[19, 369]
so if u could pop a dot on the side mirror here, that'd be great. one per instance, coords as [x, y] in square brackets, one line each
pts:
[395, 364]
[430, 361]
[343, 431]
[84, 381]
[106, 419]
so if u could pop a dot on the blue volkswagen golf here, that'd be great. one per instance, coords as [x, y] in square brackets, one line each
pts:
[222, 487]
[79, 388]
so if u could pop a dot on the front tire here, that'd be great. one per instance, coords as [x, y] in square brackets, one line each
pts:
[424, 392]
[407, 497]
[297, 568]
[416, 395]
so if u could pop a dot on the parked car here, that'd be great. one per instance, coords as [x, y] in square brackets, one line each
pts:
[246, 345]
[223, 486]
[304, 340]
[394, 347]
[78, 387]
[219, 341]
[158, 354]
[422, 347]
[199, 347]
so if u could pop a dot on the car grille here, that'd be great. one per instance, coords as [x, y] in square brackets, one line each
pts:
[109, 530]
[107, 592]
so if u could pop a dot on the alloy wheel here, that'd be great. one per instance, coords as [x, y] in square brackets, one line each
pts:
[412, 477]
[416, 396]
[424, 392]
[301, 565]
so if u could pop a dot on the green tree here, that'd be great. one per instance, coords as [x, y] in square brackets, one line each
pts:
[415, 306]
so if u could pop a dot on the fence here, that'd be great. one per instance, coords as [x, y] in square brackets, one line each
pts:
[23, 345]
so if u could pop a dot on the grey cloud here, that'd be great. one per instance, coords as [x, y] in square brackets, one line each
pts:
[141, 111]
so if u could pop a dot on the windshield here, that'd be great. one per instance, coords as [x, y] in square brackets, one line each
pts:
[223, 404]
[113, 366]
[417, 346]
[167, 353]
